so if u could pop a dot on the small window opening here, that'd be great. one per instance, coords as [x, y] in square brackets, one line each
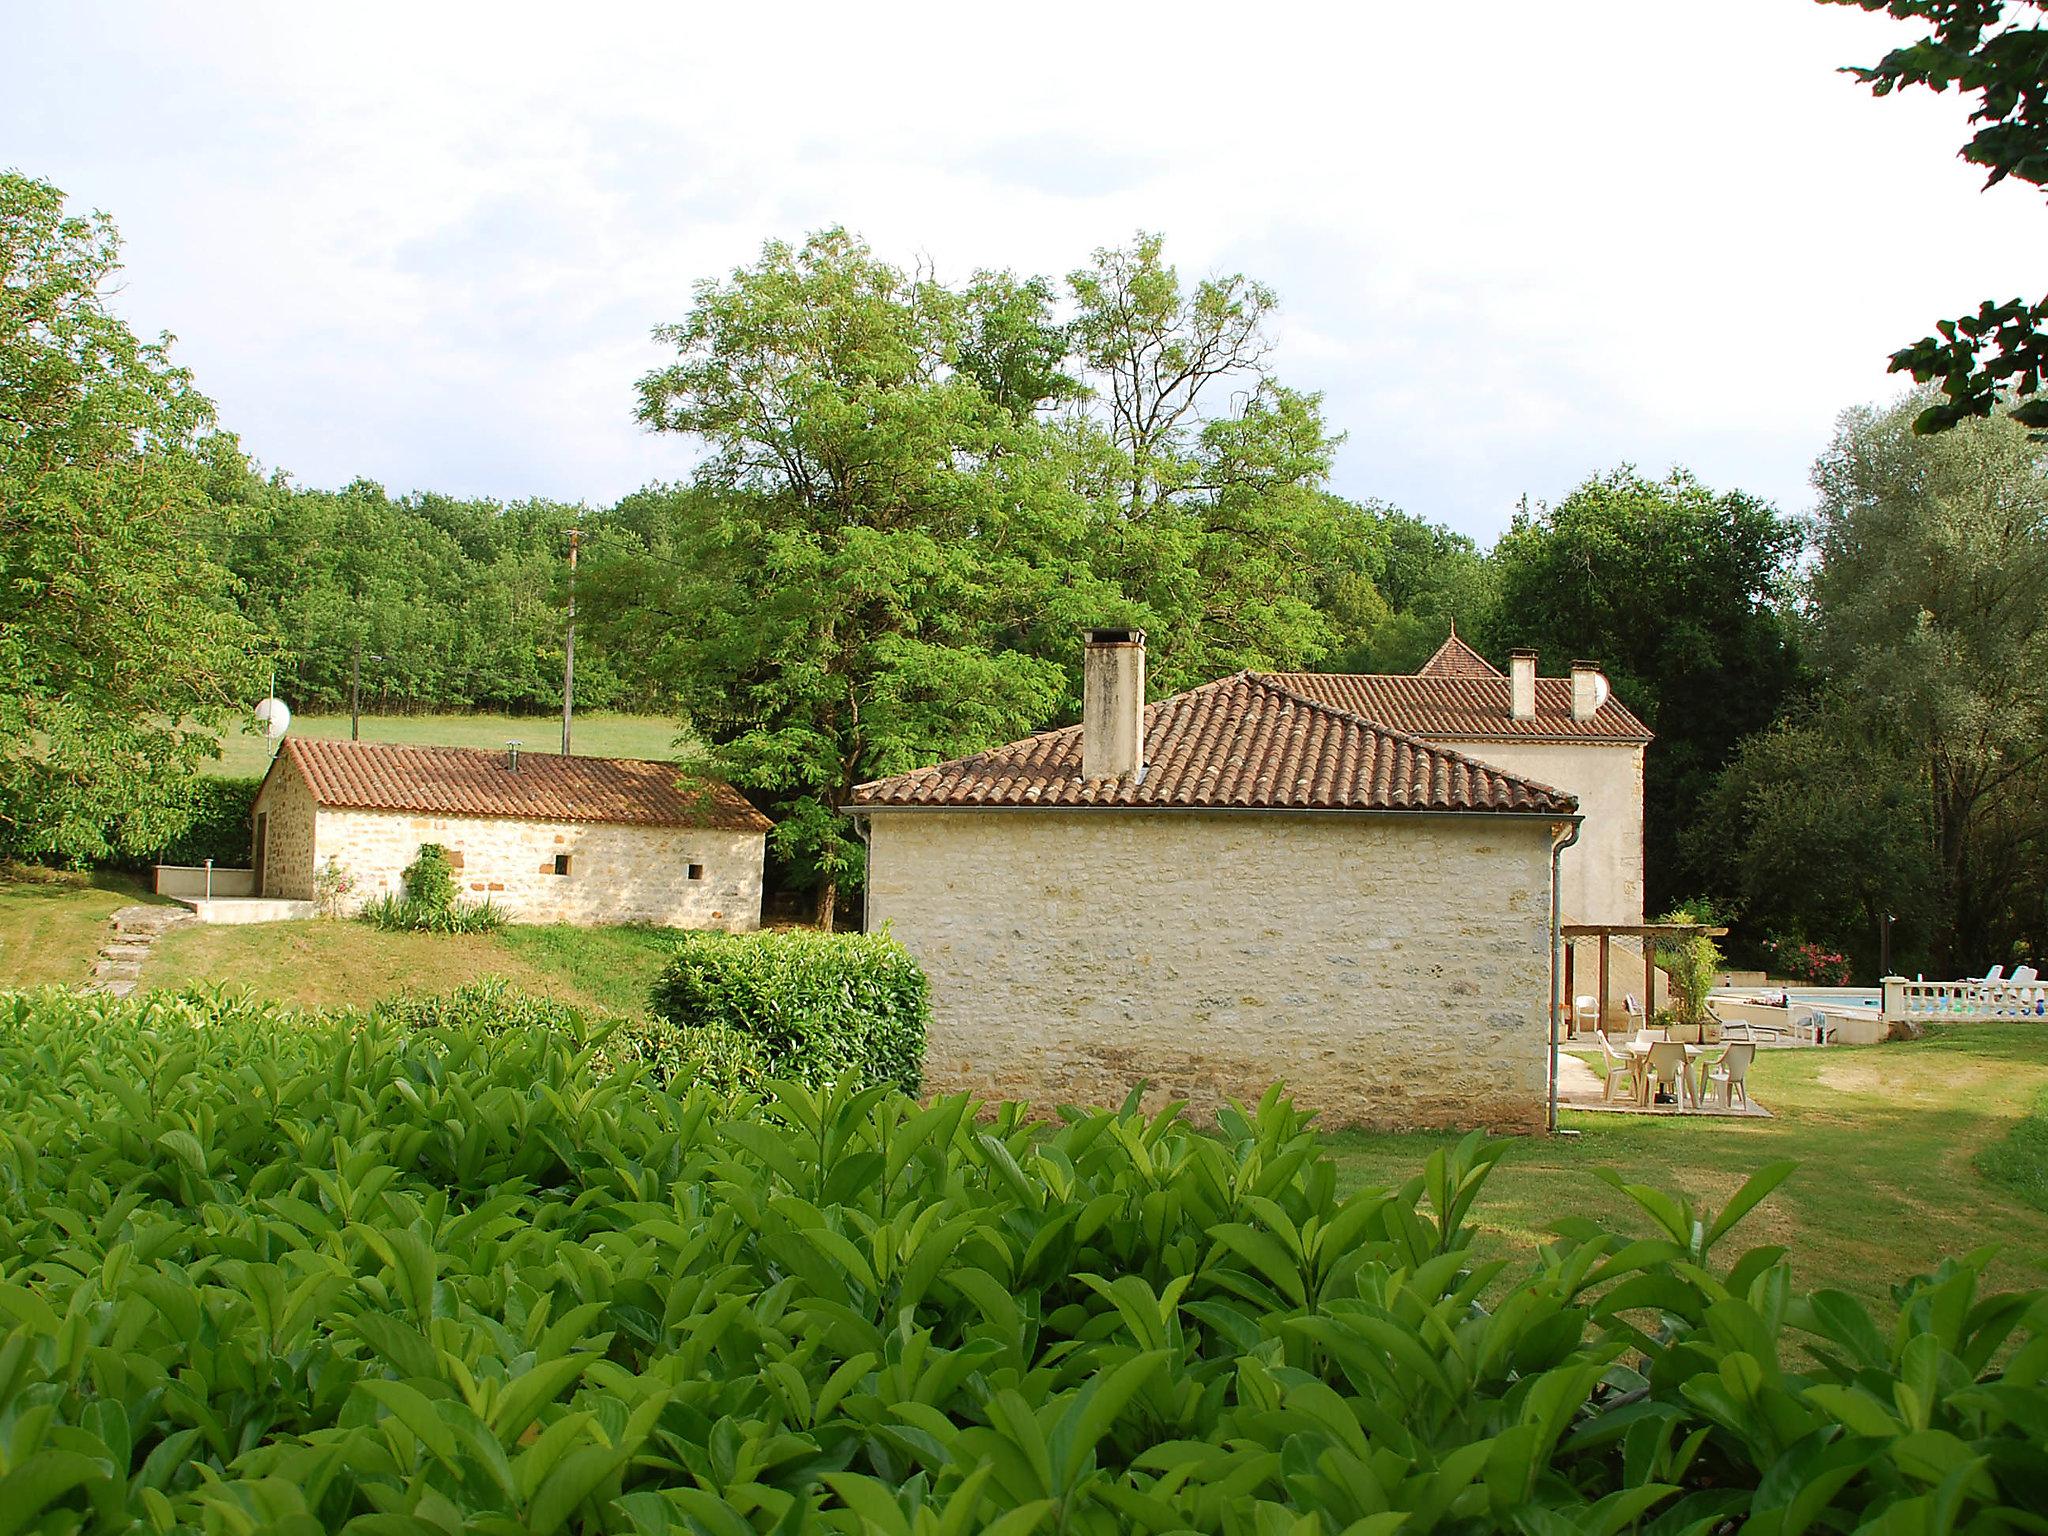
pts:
[561, 863]
[696, 871]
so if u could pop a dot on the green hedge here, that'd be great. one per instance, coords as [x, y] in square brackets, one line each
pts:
[275, 1272]
[815, 1007]
[222, 825]
[673, 1057]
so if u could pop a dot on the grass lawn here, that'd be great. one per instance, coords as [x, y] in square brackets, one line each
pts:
[596, 735]
[321, 964]
[1885, 1137]
[52, 924]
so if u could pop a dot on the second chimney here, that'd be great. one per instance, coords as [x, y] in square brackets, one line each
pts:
[1522, 685]
[1113, 704]
[1589, 689]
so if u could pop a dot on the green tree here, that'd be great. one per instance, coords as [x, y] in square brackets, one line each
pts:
[1681, 593]
[1931, 623]
[121, 650]
[1205, 474]
[869, 527]
[1996, 51]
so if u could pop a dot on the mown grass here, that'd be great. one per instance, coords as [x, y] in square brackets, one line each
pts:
[52, 924]
[2019, 1160]
[325, 964]
[596, 735]
[1888, 1140]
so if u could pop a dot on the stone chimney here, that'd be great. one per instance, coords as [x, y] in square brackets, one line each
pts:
[1522, 684]
[1113, 704]
[1589, 689]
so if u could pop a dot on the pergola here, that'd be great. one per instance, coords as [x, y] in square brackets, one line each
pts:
[1649, 933]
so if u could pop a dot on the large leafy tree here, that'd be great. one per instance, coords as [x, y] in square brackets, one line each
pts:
[120, 646]
[871, 532]
[1205, 474]
[1681, 593]
[914, 496]
[1997, 52]
[1930, 608]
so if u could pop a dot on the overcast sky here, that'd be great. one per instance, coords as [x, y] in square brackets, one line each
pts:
[1515, 244]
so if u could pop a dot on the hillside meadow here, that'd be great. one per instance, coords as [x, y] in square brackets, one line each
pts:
[654, 737]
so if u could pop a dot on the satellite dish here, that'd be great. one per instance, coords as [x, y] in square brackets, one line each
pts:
[1601, 689]
[275, 715]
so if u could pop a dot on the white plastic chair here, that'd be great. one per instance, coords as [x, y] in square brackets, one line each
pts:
[1730, 1076]
[1620, 1068]
[1667, 1067]
[1586, 1013]
[1814, 1026]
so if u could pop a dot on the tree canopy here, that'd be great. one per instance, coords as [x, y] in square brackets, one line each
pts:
[121, 646]
[1996, 51]
[1916, 784]
[1679, 592]
[915, 496]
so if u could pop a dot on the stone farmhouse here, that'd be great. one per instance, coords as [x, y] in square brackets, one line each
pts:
[1569, 732]
[549, 839]
[1347, 883]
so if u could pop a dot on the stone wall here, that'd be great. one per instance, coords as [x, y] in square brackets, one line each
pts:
[1393, 971]
[288, 853]
[1602, 874]
[616, 874]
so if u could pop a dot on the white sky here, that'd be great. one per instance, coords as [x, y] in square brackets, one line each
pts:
[1515, 244]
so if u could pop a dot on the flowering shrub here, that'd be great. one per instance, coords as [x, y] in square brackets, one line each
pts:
[1803, 960]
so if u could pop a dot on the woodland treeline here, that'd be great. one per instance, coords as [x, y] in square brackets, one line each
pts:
[910, 496]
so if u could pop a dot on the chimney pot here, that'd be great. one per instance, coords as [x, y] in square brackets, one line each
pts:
[1522, 684]
[1589, 689]
[512, 755]
[1113, 704]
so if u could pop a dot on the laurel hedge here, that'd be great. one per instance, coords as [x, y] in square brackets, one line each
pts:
[272, 1272]
[813, 1007]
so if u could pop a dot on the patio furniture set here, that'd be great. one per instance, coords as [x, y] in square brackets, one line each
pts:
[1654, 1071]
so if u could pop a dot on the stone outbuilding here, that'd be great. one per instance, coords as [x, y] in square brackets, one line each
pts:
[549, 839]
[1241, 883]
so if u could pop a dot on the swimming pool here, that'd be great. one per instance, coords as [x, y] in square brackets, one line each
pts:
[1807, 997]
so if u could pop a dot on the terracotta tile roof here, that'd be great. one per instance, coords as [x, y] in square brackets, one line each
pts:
[467, 781]
[1464, 708]
[1454, 658]
[1246, 742]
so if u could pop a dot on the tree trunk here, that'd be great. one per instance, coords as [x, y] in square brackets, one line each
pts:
[828, 903]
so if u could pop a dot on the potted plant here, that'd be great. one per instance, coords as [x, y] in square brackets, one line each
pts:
[1692, 963]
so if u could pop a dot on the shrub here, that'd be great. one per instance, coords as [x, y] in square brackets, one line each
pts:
[1803, 960]
[222, 815]
[273, 1272]
[811, 1006]
[673, 1057]
[428, 903]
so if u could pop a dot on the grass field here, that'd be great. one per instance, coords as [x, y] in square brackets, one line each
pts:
[53, 924]
[1886, 1137]
[596, 735]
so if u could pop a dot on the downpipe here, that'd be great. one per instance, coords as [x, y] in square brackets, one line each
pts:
[1557, 849]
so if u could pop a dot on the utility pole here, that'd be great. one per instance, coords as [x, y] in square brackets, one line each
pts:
[569, 649]
[355, 690]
